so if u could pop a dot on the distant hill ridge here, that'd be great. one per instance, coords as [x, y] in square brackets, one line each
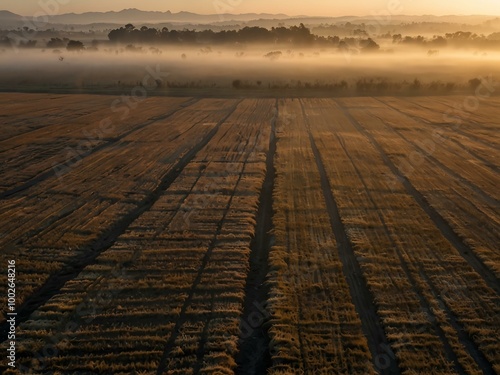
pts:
[138, 16]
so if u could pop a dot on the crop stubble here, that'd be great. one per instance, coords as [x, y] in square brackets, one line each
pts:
[384, 253]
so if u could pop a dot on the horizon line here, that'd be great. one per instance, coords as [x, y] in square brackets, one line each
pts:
[266, 13]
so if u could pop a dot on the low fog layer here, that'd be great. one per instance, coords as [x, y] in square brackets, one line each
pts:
[256, 67]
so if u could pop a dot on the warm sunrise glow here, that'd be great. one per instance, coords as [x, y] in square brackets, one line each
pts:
[250, 187]
[312, 7]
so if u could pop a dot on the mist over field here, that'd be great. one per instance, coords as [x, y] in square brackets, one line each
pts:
[250, 194]
[254, 66]
[343, 55]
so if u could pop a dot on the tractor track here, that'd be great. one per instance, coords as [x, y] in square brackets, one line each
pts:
[444, 227]
[361, 295]
[63, 167]
[56, 281]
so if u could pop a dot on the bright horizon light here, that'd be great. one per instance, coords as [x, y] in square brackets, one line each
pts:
[310, 8]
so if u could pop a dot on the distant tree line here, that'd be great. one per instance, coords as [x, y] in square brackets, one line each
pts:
[54, 43]
[130, 35]
[360, 86]
[457, 39]
[294, 35]
[298, 35]
[70, 45]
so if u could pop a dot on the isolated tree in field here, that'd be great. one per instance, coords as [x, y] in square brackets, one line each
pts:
[273, 55]
[237, 84]
[75, 45]
[474, 83]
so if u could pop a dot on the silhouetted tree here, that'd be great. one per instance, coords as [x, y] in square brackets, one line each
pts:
[237, 83]
[57, 43]
[439, 41]
[299, 35]
[396, 38]
[75, 45]
[369, 45]
[27, 44]
[474, 83]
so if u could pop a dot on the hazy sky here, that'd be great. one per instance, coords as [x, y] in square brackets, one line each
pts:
[309, 7]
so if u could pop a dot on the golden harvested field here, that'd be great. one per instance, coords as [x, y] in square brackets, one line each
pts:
[251, 236]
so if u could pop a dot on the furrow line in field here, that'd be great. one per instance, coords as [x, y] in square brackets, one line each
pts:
[253, 354]
[474, 189]
[444, 227]
[303, 355]
[200, 351]
[487, 163]
[60, 170]
[404, 264]
[455, 128]
[201, 173]
[57, 280]
[169, 345]
[361, 295]
[67, 113]
[462, 335]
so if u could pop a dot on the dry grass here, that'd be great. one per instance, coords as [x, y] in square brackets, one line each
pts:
[173, 283]
[147, 281]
